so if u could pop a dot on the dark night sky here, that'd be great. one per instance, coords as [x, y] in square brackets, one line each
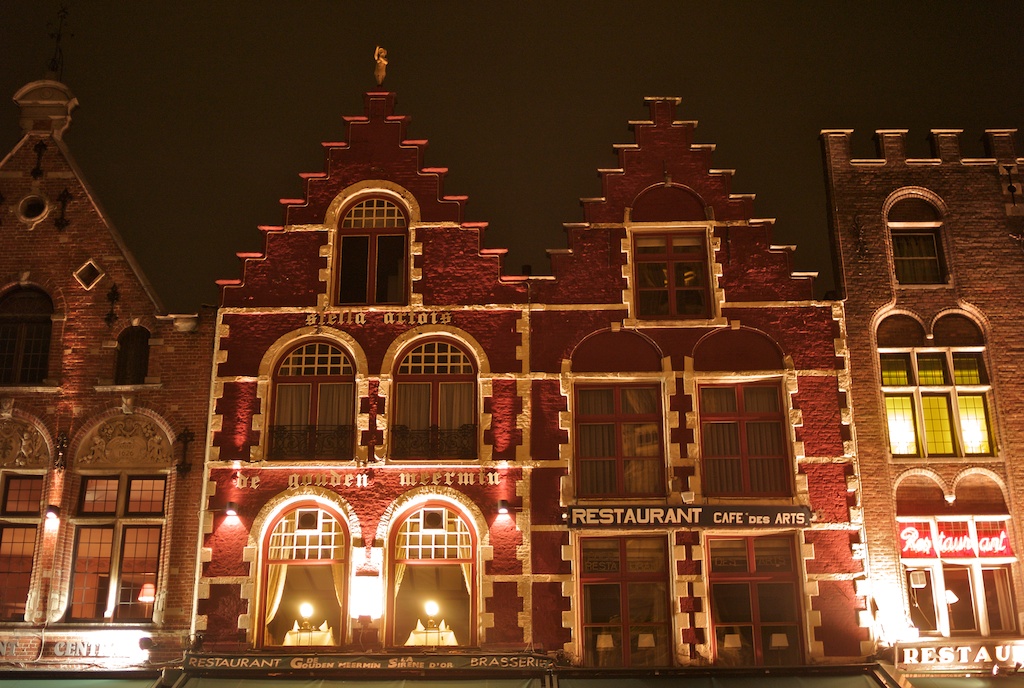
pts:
[196, 117]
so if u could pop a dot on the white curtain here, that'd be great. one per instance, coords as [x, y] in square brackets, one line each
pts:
[456, 405]
[412, 408]
[292, 405]
[335, 404]
[277, 574]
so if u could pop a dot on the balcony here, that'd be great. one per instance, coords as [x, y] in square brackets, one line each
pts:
[331, 442]
[434, 442]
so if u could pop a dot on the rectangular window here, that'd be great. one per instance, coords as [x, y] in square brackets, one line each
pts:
[962, 584]
[625, 602]
[22, 497]
[916, 258]
[743, 440]
[372, 269]
[755, 601]
[117, 548]
[936, 403]
[671, 276]
[619, 441]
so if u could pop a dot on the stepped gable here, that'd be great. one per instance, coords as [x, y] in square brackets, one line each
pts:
[665, 154]
[376, 148]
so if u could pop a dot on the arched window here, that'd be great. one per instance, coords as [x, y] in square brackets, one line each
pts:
[304, 579]
[435, 404]
[314, 392]
[936, 396]
[24, 336]
[915, 227]
[372, 254]
[433, 579]
[132, 356]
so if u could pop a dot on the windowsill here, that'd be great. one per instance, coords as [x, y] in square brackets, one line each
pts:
[129, 388]
[936, 285]
[22, 389]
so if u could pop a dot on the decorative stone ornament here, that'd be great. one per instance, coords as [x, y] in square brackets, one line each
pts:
[125, 441]
[21, 445]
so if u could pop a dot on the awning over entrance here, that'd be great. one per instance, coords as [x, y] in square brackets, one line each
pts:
[967, 682]
[205, 682]
[771, 681]
[84, 682]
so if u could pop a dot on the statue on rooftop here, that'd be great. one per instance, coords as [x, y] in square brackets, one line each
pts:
[380, 56]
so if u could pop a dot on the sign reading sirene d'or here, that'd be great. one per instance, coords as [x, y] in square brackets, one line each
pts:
[717, 516]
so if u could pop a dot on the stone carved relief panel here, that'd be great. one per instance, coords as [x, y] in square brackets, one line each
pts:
[22, 445]
[126, 440]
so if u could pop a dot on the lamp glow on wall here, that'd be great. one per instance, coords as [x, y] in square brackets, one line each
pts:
[902, 436]
[367, 596]
[974, 432]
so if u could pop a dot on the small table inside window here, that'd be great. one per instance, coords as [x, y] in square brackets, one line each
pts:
[304, 637]
[432, 637]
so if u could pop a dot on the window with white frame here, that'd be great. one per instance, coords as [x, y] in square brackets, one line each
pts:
[116, 564]
[372, 256]
[314, 397]
[304, 579]
[433, 579]
[915, 228]
[936, 401]
[958, 576]
[435, 404]
[19, 528]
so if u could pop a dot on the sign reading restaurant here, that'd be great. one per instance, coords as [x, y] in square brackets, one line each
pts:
[717, 516]
[947, 655]
[365, 663]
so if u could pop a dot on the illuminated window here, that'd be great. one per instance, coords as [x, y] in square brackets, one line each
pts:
[755, 601]
[743, 440]
[435, 404]
[915, 227]
[117, 548]
[372, 254]
[433, 579]
[625, 602]
[25, 315]
[19, 527]
[314, 396]
[936, 402]
[618, 441]
[132, 356]
[957, 573]
[304, 579]
[671, 276]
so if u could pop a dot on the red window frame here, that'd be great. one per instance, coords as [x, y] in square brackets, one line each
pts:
[607, 625]
[767, 581]
[624, 426]
[360, 280]
[22, 497]
[738, 469]
[678, 273]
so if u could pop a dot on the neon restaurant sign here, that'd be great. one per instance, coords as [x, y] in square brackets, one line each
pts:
[919, 539]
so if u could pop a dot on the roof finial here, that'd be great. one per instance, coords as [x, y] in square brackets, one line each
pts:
[56, 64]
[380, 56]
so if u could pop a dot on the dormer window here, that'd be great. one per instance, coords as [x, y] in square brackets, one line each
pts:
[372, 254]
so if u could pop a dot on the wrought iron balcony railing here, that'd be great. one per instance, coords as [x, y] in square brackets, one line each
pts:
[434, 442]
[333, 442]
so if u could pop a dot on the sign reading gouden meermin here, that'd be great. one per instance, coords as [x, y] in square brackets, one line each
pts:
[688, 516]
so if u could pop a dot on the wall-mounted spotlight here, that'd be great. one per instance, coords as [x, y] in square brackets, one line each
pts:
[503, 506]
[52, 512]
[231, 509]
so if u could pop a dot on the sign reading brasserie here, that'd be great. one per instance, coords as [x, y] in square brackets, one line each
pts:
[370, 663]
[704, 516]
[946, 655]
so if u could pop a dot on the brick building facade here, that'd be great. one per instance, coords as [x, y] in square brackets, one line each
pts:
[101, 394]
[416, 462]
[929, 264]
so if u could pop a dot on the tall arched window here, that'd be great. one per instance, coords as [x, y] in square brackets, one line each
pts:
[24, 336]
[435, 404]
[915, 227]
[132, 356]
[304, 579]
[372, 254]
[314, 392]
[433, 579]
